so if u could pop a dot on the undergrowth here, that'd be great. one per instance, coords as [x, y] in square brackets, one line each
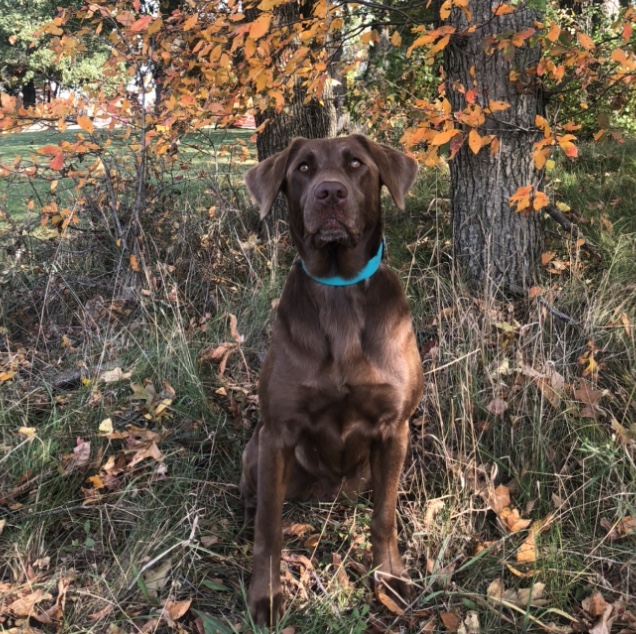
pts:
[122, 421]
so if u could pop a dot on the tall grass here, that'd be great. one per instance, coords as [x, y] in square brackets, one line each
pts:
[172, 528]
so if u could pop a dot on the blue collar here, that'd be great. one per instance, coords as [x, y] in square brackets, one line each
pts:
[371, 267]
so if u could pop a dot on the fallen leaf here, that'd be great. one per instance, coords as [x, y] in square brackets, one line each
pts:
[155, 579]
[512, 520]
[590, 398]
[114, 375]
[531, 596]
[176, 609]
[340, 575]
[527, 551]
[151, 625]
[595, 605]
[82, 453]
[106, 426]
[450, 620]
[312, 541]
[604, 626]
[297, 530]
[387, 601]
[498, 498]
[23, 607]
[495, 590]
[217, 353]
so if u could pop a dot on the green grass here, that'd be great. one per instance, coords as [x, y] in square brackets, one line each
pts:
[170, 527]
[208, 152]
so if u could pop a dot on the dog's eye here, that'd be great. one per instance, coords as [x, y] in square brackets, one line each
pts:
[355, 163]
[303, 167]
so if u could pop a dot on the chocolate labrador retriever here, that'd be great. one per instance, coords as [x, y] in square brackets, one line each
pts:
[343, 373]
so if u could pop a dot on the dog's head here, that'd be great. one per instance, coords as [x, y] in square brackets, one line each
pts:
[332, 187]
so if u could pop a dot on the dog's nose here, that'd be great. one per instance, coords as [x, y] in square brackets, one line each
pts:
[331, 192]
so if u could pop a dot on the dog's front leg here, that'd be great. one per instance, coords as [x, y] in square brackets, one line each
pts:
[265, 599]
[387, 461]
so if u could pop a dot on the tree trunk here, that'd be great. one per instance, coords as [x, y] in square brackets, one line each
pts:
[496, 247]
[28, 94]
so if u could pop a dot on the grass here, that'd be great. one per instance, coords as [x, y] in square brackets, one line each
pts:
[114, 536]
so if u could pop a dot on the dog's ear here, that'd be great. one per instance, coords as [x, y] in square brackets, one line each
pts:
[397, 170]
[266, 179]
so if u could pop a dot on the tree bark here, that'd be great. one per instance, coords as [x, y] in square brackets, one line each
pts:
[495, 247]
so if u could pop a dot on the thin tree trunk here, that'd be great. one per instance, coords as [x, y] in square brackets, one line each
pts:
[28, 94]
[496, 247]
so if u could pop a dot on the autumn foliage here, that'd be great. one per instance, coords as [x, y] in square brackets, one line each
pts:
[209, 62]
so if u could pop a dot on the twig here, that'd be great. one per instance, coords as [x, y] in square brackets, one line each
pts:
[558, 217]
[557, 313]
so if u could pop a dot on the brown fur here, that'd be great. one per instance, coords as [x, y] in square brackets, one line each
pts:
[343, 373]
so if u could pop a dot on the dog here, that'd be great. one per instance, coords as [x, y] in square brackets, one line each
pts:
[343, 373]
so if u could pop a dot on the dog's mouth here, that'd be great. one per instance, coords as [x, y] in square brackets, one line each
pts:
[331, 231]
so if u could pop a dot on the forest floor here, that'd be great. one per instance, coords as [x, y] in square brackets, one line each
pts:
[122, 420]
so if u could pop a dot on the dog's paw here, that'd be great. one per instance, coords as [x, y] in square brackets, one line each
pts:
[266, 610]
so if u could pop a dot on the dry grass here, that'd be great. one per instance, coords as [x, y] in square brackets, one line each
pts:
[503, 414]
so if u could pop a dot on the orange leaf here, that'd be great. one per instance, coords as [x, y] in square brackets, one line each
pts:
[471, 95]
[85, 123]
[134, 263]
[450, 620]
[519, 38]
[540, 157]
[176, 609]
[499, 498]
[554, 32]
[441, 138]
[586, 41]
[626, 34]
[49, 149]
[512, 520]
[474, 141]
[396, 39]
[387, 601]
[141, 24]
[595, 604]
[298, 530]
[540, 201]
[190, 22]
[441, 44]
[496, 106]
[547, 257]
[57, 162]
[445, 10]
[570, 126]
[502, 9]
[260, 26]
[527, 551]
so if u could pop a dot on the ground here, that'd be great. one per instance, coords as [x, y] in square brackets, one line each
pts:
[122, 419]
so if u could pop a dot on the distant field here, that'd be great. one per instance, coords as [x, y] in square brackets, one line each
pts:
[211, 150]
